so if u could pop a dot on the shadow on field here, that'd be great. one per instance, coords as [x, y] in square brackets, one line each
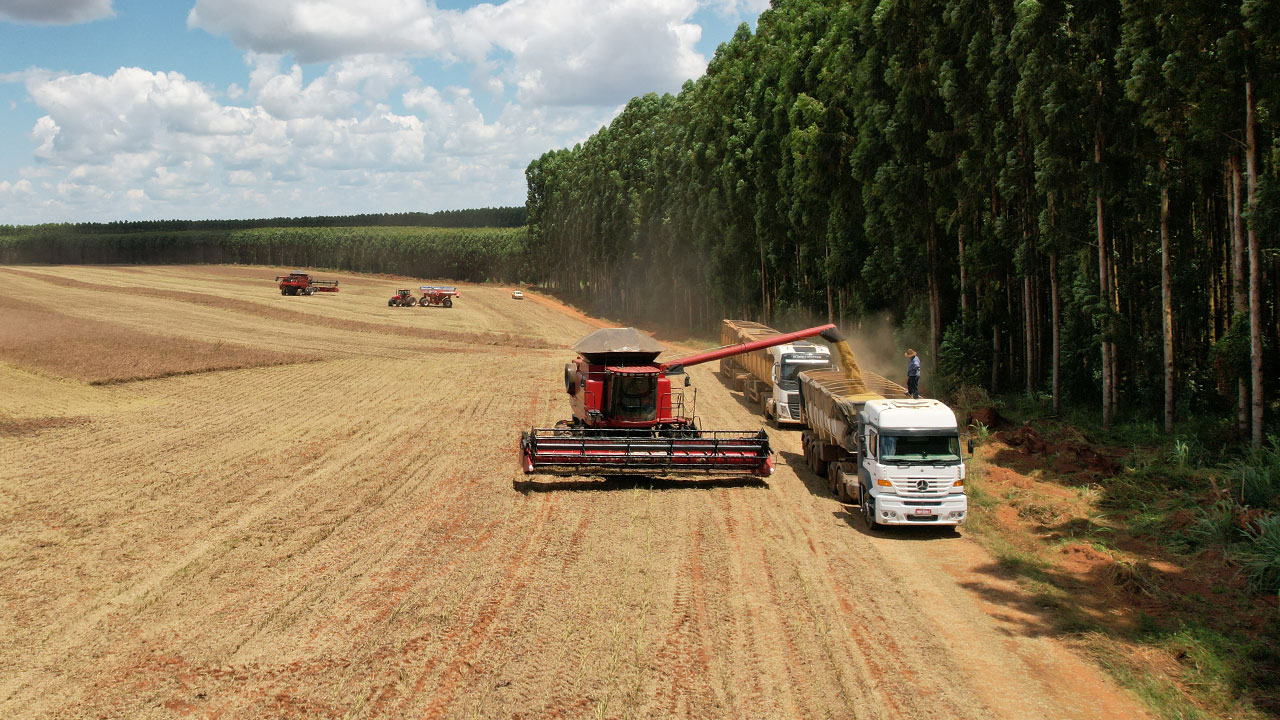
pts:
[632, 482]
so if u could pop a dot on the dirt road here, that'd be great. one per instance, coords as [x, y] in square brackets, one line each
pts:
[342, 538]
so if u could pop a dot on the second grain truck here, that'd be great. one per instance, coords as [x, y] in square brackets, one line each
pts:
[769, 377]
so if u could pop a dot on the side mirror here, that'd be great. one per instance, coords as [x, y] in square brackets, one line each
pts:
[687, 381]
[970, 446]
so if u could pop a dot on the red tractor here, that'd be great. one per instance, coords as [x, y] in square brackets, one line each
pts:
[300, 283]
[402, 298]
[438, 295]
[628, 417]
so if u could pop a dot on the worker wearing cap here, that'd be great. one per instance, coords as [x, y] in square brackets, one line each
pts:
[913, 373]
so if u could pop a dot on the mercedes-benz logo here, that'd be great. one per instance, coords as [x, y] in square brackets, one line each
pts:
[922, 486]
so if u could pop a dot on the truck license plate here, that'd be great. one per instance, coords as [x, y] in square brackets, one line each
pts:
[923, 511]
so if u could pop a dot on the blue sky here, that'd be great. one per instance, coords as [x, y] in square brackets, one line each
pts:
[146, 109]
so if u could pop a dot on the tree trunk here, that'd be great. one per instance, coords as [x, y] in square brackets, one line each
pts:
[1255, 290]
[1239, 298]
[995, 358]
[964, 285]
[1104, 288]
[1057, 330]
[935, 303]
[1027, 337]
[1166, 296]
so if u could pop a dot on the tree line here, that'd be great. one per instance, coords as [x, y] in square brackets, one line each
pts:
[499, 217]
[469, 254]
[1079, 199]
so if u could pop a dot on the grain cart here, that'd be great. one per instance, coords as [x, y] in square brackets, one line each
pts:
[898, 458]
[300, 283]
[437, 295]
[402, 298]
[629, 416]
[768, 376]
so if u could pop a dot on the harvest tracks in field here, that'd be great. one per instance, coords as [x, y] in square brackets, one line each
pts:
[224, 549]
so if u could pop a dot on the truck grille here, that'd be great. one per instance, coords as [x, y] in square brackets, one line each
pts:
[922, 487]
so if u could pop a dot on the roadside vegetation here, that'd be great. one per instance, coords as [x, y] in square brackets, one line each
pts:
[1157, 554]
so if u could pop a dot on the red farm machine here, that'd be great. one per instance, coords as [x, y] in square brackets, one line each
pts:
[402, 298]
[300, 283]
[629, 417]
[438, 295]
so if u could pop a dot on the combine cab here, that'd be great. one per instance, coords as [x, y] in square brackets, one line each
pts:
[629, 417]
[402, 298]
[437, 295]
[300, 283]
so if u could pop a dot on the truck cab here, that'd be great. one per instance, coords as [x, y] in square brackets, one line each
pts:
[910, 470]
[783, 405]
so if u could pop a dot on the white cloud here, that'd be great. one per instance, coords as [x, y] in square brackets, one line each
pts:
[737, 8]
[555, 52]
[322, 30]
[55, 12]
[161, 145]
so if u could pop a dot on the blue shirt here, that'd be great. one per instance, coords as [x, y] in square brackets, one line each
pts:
[913, 366]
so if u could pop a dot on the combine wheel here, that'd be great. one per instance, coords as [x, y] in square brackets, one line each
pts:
[448, 302]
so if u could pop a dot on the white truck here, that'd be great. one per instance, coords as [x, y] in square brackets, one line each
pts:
[770, 377]
[898, 458]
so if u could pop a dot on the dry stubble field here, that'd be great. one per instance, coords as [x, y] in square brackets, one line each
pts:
[330, 528]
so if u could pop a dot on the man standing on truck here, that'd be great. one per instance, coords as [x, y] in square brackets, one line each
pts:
[913, 373]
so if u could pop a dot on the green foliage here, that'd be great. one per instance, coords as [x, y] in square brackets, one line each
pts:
[1255, 477]
[1213, 528]
[1260, 559]
[835, 162]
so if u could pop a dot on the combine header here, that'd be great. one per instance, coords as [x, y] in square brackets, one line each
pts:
[300, 283]
[437, 295]
[627, 417]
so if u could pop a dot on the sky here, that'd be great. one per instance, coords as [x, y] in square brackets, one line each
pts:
[202, 109]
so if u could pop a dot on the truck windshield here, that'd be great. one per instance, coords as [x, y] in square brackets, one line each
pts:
[788, 376]
[931, 449]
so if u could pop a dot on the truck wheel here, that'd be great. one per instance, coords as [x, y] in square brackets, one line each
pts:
[869, 509]
[422, 301]
[841, 488]
[448, 302]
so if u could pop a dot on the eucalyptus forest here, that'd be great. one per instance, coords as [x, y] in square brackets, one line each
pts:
[1076, 199]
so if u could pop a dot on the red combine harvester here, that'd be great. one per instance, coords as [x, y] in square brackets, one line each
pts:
[437, 295]
[627, 418]
[300, 283]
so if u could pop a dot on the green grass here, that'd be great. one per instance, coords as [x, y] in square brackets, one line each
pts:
[1195, 490]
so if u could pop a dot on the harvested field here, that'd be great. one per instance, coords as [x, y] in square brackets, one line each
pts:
[343, 538]
[99, 352]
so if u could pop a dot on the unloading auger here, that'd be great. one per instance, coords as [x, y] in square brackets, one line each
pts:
[629, 417]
